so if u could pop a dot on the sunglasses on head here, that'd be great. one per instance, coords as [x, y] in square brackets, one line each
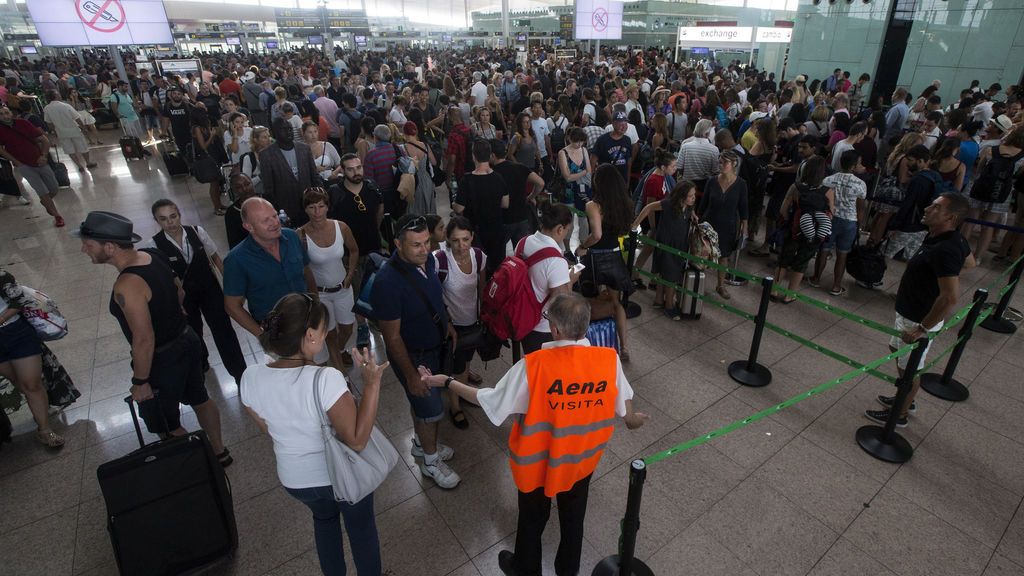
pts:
[417, 224]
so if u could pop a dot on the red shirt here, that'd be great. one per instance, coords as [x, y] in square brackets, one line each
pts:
[20, 141]
[458, 139]
[654, 189]
[229, 86]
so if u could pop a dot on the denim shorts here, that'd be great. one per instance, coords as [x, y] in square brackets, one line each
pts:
[429, 408]
[844, 233]
[18, 340]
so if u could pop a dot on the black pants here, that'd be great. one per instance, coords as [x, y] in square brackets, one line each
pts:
[534, 510]
[208, 299]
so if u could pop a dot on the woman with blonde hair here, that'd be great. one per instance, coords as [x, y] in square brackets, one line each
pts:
[895, 175]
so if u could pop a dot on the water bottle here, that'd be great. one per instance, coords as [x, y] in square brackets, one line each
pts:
[286, 222]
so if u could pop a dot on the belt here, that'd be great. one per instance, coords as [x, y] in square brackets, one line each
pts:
[331, 290]
[167, 345]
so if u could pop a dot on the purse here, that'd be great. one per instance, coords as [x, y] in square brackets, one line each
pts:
[8, 181]
[354, 475]
[204, 168]
[60, 170]
[43, 315]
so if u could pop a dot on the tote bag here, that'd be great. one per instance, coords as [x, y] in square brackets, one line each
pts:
[354, 475]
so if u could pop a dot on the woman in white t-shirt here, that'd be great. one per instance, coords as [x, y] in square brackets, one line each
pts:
[281, 398]
[461, 269]
[237, 138]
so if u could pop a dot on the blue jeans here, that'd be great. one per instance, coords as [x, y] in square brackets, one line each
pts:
[359, 522]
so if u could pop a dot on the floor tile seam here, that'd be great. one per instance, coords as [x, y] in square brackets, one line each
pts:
[40, 519]
[1020, 507]
[694, 523]
[64, 453]
[275, 567]
[74, 552]
[974, 541]
[988, 427]
[839, 457]
[437, 512]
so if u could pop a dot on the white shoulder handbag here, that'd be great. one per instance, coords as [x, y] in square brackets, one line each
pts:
[354, 475]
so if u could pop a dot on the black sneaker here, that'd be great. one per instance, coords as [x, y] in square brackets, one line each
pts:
[882, 416]
[505, 558]
[887, 402]
[639, 284]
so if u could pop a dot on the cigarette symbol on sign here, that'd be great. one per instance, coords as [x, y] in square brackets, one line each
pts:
[95, 9]
[600, 19]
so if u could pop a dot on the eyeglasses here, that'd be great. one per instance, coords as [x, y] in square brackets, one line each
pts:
[417, 224]
[359, 202]
[309, 309]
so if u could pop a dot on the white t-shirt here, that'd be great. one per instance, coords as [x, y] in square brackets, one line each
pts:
[64, 118]
[479, 92]
[243, 143]
[511, 395]
[546, 274]
[460, 289]
[284, 399]
[590, 111]
[540, 130]
[837, 154]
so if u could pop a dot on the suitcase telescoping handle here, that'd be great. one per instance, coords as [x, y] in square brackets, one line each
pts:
[135, 417]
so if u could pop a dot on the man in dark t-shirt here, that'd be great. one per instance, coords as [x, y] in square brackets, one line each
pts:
[482, 196]
[615, 147]
[176, 115]
[929, 289]
[523, 184]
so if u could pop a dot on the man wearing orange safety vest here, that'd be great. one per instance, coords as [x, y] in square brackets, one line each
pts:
[567, 396]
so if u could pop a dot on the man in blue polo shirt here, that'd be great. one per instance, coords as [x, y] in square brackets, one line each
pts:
[267, 265]
[409, 309]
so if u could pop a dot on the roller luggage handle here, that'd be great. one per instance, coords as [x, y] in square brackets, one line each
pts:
[135, 417]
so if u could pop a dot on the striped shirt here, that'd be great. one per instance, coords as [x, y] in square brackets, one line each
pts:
[379, 166]
[698, 159]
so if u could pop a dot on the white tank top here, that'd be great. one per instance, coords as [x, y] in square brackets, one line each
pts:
[327, 263]
[460, 289]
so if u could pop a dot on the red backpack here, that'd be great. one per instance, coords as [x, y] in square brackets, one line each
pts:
[510, 307]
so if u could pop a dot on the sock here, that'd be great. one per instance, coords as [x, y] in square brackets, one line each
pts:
[430, 459]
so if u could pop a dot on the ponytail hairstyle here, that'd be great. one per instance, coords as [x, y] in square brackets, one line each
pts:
[552, 215]
[286, 325]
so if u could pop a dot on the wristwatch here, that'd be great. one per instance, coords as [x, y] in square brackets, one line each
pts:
[448, 382]
[139, 381]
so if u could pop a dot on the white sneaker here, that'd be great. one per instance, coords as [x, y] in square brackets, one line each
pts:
[446, 452]
[440, 473]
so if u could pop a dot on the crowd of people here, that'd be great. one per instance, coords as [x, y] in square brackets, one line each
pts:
[332, 165]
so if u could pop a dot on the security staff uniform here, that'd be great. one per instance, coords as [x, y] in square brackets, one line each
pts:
[567, 396]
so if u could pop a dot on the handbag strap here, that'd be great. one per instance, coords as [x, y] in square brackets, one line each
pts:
[316, 392]
[435, 317]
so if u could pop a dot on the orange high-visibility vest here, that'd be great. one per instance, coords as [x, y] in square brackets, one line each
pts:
[560, 439]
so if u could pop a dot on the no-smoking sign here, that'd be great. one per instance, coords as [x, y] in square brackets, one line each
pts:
[600, 19]
[101, 15]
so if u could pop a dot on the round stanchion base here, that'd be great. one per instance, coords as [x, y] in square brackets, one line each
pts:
[953, 391]
[610, 567]
[1000, 325]
[735, 281]
[872, 440]
[633, 310]
[759, 376]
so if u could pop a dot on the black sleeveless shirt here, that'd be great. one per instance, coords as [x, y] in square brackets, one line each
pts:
[164, 309]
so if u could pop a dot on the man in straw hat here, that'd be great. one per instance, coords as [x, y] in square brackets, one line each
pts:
[166, 353]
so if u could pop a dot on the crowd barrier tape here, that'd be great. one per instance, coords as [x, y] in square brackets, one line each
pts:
[1007, 227]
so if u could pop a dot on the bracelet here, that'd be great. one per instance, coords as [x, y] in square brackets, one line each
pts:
[139, 381]
[448, 382]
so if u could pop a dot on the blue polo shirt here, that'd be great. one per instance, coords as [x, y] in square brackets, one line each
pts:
[251, 272]
[395, 298]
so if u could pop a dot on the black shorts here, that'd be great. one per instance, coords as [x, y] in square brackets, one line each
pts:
[18, 340]
[176, 377]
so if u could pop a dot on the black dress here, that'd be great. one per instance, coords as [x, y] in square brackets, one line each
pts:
[673, 230]
[724, 210]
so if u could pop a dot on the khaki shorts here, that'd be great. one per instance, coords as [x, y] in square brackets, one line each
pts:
[895, 343]
[74, 144]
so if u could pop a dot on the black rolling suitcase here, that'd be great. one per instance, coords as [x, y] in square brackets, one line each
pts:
[173, 160]
[169, 506]
[131, 146]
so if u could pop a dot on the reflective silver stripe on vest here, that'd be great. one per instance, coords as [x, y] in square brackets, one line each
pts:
[563, 431]
[554, 462]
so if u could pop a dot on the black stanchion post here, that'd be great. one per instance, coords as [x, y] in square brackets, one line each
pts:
[632, 308]
[996, 322]
[945, 386]
[624, 563]
[748, 372]
[885, 443]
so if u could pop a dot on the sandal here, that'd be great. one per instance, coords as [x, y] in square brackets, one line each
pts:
[459, 419]
[225, 458]
[474, 378]
[814, 282]
[838, 292]
[787, 300]
[50, 439]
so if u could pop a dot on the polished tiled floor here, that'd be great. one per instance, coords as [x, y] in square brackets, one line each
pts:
[792, 494]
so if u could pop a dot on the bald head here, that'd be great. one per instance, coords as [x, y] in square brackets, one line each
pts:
[253, 206]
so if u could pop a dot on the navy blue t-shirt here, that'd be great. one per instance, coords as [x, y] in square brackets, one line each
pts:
[615, 152]
[395, 298]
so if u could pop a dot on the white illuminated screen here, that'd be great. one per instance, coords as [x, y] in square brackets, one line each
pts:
[100, 22]
[598, 20]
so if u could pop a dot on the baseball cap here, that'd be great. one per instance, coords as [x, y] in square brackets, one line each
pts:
[1002, 122]
[620, 116]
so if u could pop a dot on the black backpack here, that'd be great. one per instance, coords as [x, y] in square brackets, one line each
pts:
[865, 263]
[558, 137]
[995, 182]
[755, 173]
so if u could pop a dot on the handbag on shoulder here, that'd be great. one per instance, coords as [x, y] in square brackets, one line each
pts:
[354, 475]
